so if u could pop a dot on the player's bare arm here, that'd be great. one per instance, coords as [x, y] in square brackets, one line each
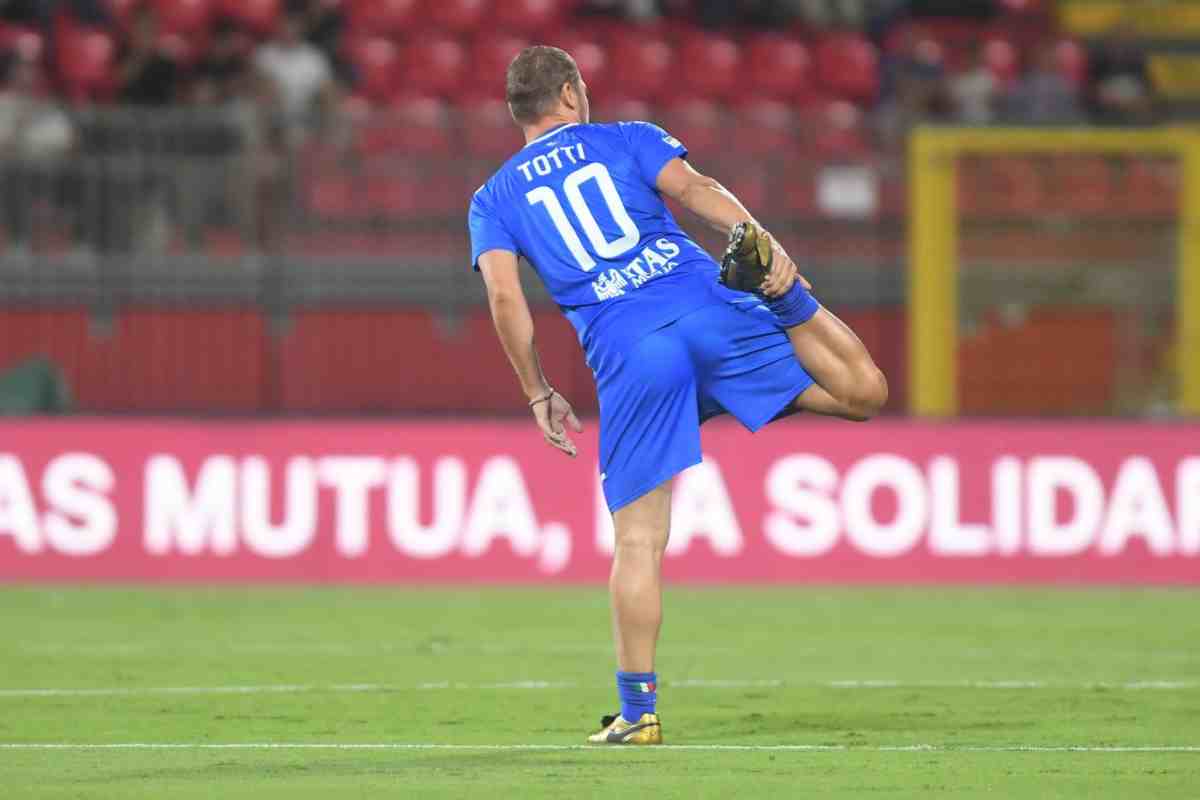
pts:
[705, 197]
[702, 195]
[514, 326]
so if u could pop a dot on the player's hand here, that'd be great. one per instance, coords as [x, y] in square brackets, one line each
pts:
[783, 273]
[553, 415]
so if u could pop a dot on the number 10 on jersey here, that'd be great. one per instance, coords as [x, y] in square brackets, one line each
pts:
[600, 246]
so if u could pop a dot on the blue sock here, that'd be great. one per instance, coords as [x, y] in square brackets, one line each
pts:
[638, 691]
[795, 307]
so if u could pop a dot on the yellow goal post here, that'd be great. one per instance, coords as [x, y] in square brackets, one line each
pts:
[933, 246]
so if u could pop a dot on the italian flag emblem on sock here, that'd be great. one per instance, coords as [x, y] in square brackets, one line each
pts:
[647, 687]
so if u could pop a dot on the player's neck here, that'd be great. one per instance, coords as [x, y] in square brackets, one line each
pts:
[539, 128]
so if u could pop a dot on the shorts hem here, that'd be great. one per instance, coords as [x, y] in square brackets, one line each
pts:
[800, 388]
[649, 485]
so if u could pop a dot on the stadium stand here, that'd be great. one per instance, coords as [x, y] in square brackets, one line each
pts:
[362, 197]
[449, 46]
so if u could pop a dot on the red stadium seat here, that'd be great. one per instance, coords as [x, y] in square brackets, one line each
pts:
[86, 62]
[777, 66]
[260, 16]
[389, 195]
[642, 65]
[28, 43]
[377, 61]
[355, 107]
[122, 11]
[182, 49]
[592, 57]
[602, 29]
[798, 188]
[412, 125]
[527, 16]
[327, 187]
[462, 16]
[1072, 61]
[435, 65]
[183, 16]
[848, 67]
[766, 128]
[333, 195]
[750, 184]
[698, 123]
[383, 17]
[712, 64]
[397, 188]
[616, 109]
[488, 129]
[491, 56]
[1000, 56]
[840, 133]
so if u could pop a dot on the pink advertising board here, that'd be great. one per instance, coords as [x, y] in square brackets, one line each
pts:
[426, 502]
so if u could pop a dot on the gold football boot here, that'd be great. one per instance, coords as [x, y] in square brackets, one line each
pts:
[748, 258]
[617, 730]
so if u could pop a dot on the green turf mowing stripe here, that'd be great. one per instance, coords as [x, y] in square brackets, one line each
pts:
[799, 748]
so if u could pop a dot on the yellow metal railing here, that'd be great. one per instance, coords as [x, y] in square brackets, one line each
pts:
[933, 246]
[1163, 19]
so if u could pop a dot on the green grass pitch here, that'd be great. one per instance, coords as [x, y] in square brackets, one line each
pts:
[844, 693]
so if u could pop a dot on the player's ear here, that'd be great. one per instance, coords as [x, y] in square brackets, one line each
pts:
[569, 96]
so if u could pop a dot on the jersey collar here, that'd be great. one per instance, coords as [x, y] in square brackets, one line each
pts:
[551, 132]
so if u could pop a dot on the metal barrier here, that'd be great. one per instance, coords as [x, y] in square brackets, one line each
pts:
[193, 205]
[267, 232]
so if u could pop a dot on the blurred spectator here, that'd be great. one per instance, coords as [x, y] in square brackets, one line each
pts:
[975, 93]
[914, 88]
[25, 12]
[718, 14]
[35, 137]
[630, 9]
[1044, 95]
[914, 59]
[206, 144]
[324, 24]
[147, 73]
[224, 61]
[297, 72]
[270, 187]
[976, 9]
[1119, 87]
[883, 15]
[89, 12]
[823, 13]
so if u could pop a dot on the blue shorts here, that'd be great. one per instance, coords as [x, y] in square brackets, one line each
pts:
[722, 357]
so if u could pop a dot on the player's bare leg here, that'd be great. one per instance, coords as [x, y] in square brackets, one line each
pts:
[635, 584]
[848, 384]
[635, 592]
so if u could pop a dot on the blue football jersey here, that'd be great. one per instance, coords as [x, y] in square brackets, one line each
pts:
[579, 203]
